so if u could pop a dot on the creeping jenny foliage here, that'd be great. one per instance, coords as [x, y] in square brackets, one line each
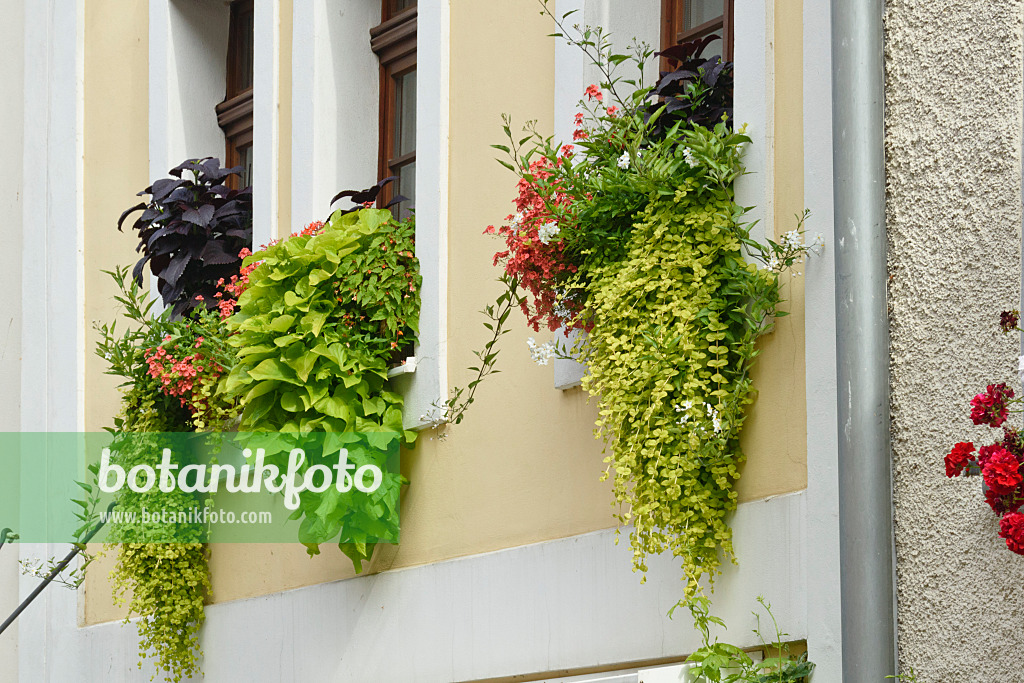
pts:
[671, 347]
[318, 326]
[165, 584]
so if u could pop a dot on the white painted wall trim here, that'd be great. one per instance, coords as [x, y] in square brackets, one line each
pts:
[824, 604]
[187, 52]
[12, 118]
[335, 103]
[52, 381]
[754, 95]
[429, 384]
[555, 606]
[266, 97]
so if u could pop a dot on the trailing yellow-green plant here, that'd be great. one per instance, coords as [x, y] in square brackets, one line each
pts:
[163, 583]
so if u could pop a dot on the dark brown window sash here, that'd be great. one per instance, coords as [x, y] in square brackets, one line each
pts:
[394, 42]
[235, 113]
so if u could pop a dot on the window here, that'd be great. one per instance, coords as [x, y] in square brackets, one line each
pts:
[234, 114]
[684, 20]
[394, 42]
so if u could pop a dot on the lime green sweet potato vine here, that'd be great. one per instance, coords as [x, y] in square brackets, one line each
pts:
[321, 320]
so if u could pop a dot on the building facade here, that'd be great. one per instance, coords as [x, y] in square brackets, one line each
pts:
[508, 567]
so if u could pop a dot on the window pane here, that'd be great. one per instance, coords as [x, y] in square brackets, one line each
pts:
[399, 5]
[245, 51]
[701, 11]
[714, 48]
[407, 188]
[405, 114]
[245, 161]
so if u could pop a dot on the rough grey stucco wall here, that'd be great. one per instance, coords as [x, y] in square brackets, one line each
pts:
[953, 136]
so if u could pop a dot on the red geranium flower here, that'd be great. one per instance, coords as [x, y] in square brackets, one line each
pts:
[959, 458]
[1011, 527]
[1002, 472]
[1003, 504]
[985, 452]
[990, 408]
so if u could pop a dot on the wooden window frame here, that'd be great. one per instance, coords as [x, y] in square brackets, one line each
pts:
[235, 113]
[672, 13]
[394, 43]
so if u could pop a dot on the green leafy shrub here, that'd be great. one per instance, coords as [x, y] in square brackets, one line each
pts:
[322, 317]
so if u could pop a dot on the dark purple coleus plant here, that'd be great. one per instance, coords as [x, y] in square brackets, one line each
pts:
[698, 91]
[191, 232]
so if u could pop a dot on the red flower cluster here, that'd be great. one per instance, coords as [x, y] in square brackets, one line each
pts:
[1011, 527]
[537, 263]
[1001, 472]
[959, 459]
[990, 408]
[179, 370]
[1000, 463]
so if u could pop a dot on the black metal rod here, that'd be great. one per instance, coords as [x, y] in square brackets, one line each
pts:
[53, 574]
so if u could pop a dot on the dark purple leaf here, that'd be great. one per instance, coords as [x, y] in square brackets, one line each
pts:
[200, 216]
[141, 205]
[215, 253]
[176, 267]
[364, 196]
[137, 270]
[163, 187]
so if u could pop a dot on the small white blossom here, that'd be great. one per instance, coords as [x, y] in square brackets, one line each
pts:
[541, 354]
[688, 157]
[546, 232]
[817, 244]
[792, 240]
[516, 221]
[683, 408]
[716, 421]
[773, 263]
[624, 160]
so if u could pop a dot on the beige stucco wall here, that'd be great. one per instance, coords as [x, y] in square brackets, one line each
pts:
[116, 167]
[953, 137]
[774, 436]
[523, 467]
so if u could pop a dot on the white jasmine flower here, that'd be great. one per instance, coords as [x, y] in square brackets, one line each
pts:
[817, 244]
[541, 354]
[546, 232]
[773, 263]
[624, 160]
[688, 157]
[516, 220]
[792, 240]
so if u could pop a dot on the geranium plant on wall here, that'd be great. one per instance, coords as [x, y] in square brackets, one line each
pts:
[631, 233]
[998, 463]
